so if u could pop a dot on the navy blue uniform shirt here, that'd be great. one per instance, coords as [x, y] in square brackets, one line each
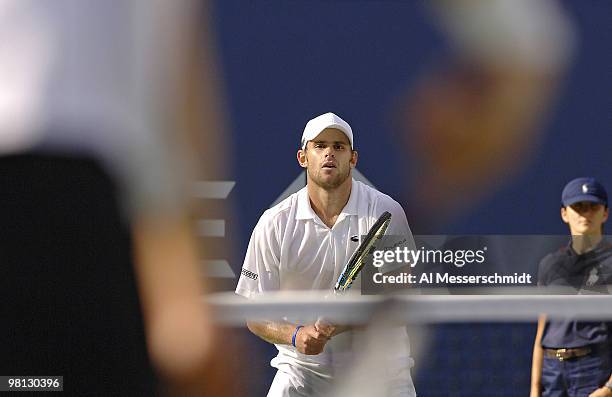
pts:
[588, 272]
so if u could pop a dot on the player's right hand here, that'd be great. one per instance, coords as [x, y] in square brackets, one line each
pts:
[310, 341]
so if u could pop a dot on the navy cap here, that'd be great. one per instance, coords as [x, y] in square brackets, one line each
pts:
[584, 189]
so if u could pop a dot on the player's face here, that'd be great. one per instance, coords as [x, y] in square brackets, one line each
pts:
[328, 159]
[585, 218]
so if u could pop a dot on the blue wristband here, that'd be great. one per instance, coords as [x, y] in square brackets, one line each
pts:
[295, 334]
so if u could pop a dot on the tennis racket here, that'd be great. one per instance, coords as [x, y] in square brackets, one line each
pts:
[355, 264]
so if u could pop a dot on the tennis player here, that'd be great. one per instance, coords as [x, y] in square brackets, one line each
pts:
[303, 243]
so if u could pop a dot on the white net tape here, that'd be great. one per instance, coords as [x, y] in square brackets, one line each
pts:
[231, 309]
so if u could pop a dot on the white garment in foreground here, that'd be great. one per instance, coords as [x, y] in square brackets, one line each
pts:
[99, 79]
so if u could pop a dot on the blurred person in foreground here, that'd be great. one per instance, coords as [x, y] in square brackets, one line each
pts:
[303, 243]
[473, 119]
[574, 358]
[100, 276]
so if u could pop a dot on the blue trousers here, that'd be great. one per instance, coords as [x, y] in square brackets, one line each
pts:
[575, 377]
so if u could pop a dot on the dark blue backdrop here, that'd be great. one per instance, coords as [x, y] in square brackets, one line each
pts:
[286, 61]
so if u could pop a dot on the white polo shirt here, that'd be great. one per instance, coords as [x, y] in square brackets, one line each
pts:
[292, 249]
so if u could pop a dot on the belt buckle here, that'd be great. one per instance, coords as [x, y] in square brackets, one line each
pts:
[559, 354]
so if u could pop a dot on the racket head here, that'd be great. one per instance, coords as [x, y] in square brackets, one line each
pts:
[357, 261]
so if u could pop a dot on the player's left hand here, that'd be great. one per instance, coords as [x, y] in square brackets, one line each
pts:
[601, 392]
[326, 328]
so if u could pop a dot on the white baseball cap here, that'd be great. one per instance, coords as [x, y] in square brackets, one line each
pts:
[327, 120]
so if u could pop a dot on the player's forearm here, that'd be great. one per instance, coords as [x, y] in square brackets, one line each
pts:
[276, 332]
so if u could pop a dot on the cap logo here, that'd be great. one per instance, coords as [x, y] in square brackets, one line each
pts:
[585, 188]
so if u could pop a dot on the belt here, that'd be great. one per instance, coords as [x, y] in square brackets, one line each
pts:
[566, 354]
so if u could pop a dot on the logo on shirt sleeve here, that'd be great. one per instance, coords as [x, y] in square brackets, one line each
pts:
[249, 274]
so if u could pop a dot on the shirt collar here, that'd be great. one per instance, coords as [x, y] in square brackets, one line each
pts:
[305, 211]
[602, 245]
[352, 205]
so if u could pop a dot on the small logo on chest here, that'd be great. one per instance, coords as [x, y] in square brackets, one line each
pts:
[593, 277]
[355, 238]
